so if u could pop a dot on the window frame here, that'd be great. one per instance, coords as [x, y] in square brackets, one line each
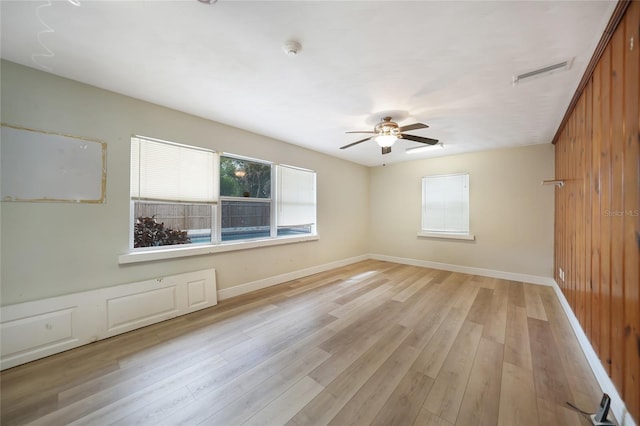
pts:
[213, 203]
[443, 233]
[269, 200]
[142, 254]
[279, 191]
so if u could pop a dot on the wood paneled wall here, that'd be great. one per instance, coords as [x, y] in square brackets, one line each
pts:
[597, 212]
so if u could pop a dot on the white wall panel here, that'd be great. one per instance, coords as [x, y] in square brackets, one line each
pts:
[41, 328]
[196, 293]
[140, 309]
[46, 330]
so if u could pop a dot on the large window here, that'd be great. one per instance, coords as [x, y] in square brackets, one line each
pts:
[187, 195]
[445, 205]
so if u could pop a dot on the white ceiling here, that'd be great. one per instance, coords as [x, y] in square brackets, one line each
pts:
[446, 64]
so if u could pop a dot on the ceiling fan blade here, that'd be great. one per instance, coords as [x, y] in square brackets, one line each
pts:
[386, 150]
[415, 126]
[420, 139]
[356, 143]
[360, 131]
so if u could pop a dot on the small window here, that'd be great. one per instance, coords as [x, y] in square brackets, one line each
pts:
[445, 205]
[173, 193]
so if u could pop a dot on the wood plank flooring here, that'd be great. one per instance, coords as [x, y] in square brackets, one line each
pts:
[371, 343]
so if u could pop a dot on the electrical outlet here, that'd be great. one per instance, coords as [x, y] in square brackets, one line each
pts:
[561, 274]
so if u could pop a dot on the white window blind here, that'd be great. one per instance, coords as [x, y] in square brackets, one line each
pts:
[297, 196]
[445, 203]
[165, 171]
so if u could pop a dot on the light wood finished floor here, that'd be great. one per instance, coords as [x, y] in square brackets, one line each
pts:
[372, 343]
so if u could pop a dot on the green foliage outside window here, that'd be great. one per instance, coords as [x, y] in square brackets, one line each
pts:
[242, 178]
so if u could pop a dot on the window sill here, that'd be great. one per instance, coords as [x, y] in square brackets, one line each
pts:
[171, 253]
[447, 235]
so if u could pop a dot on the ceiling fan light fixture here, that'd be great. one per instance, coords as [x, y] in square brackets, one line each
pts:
[385, 140]
[387, 132]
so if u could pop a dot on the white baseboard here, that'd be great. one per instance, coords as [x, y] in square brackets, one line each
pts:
[283, 278]
[279, 279]
[618, 408]
[492, 273]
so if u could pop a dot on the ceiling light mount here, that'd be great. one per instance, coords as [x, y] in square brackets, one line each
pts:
[291, 47]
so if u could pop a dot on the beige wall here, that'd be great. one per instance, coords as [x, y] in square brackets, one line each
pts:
[57, 248]
[50, 249]
[511, 215]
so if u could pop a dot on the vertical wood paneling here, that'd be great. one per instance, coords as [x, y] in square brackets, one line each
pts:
[578, 230]
[597, 229]
[569, 228]
[587, 185]
[613, 214]
[631, 138]
[605, 204]
[595, 213]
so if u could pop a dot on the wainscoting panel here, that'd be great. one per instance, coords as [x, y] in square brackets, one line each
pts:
[196, 294]
[38, 333]
[139, 309]
[33, 330]
[46, 329]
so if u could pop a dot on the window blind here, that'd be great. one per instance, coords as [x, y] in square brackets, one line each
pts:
[165, 171]
[445, 203]
[297, 196]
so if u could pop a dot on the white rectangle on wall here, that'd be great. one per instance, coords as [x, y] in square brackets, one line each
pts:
[33, 330]
[43, 166]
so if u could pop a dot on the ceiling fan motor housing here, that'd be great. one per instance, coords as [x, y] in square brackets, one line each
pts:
[387, 127]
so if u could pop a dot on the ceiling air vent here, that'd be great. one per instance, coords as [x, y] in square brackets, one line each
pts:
[548, 70]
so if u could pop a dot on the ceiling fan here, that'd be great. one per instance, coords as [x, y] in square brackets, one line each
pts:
[387, 132]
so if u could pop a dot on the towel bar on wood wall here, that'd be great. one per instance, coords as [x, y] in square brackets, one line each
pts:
[559, 183]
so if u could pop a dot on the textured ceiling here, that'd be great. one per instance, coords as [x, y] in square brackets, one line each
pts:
[447, 64]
